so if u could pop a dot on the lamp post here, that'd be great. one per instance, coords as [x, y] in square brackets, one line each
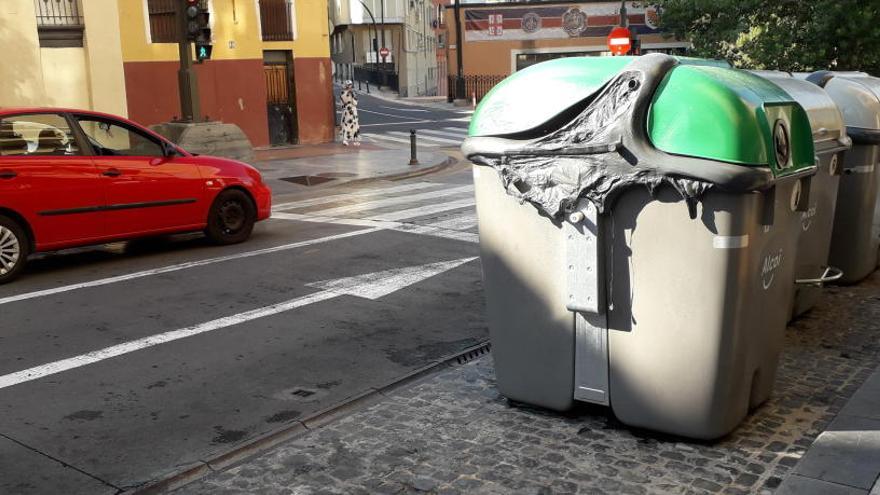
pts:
[375, 30]
[459, 77]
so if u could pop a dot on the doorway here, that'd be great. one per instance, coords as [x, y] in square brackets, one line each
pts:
[280, 97]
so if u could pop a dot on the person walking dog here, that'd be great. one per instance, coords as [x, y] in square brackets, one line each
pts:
[351, 128]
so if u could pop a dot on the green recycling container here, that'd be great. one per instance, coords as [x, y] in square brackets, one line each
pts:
[830, 142]
[637, 222]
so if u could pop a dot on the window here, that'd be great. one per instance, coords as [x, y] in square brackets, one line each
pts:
[163, 21]
[37, 134]
[276, 20]
[59, 23]
[110, 138]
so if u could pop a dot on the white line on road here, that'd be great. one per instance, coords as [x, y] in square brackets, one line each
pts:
[427, 137]
[353, 195]
[389, 115]
[461, 135]
[425, 210]
[396, 123]
[181, 266]
[383, 225]
[397, 200]
[464, 221]
[386, 137]
[405, 109]
[369, 286]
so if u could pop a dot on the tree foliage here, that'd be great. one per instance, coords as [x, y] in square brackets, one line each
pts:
[790, 35]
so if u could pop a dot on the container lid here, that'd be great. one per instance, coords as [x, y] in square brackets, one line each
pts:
[826, 120]
[536, 94]
[726, 115]
[857, 95]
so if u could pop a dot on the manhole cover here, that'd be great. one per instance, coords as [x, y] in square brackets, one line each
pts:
[307, 180]
[337, 175]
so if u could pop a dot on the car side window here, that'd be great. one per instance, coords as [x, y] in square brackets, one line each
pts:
[111, 138]
[42, 134]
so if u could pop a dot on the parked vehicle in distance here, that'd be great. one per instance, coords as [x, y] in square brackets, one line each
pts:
[72, 178]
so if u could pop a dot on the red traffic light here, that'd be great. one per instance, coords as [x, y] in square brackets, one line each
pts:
[619, 41]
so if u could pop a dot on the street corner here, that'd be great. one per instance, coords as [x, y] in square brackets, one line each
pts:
[455, 433]
[361, 165]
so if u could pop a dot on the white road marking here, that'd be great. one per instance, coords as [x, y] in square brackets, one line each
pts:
[425, 210]
[389, 115]
[384, 225]
[465, 221]
[426, 137]
[405, 109]
[181, 266]
[461, 135]
[369, 286]
[386, 137]
[462, 119]
[397, 200]
[353, 195]
[396, 123]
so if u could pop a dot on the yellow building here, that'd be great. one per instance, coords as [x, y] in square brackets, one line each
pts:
[270, 70]
[269, 73]
[61, 53]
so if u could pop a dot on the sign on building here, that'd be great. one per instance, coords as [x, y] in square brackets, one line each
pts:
[560, 21]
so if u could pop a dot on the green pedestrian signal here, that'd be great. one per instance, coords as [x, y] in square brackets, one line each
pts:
[203, 51]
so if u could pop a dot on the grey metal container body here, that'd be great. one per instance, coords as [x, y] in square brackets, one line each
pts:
[688, 361]
[817, 223]
[854, 246]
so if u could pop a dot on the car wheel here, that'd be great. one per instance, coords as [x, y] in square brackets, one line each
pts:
[14, 249]
[231, 218]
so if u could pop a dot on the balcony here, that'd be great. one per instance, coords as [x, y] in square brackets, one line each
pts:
[59, 23]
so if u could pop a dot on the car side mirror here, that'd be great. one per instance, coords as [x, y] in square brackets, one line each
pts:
[168, 150]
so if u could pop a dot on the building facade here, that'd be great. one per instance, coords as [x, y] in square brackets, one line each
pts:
[500, 38]
[361, 28]
[63, 53]
[270, 71]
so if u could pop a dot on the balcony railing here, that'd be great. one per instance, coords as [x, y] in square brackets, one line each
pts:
[59, 22]
[275, 20]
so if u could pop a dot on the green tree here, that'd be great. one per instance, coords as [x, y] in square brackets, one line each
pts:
[791, 35]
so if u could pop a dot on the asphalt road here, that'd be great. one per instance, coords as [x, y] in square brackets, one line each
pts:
[388, 123]
[122, 364]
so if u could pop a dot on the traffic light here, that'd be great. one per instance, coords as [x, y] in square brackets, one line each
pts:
[198, 28]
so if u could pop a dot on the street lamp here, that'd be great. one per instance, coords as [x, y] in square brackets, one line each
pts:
[375, 30]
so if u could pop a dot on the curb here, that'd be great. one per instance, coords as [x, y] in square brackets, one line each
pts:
[316, 420]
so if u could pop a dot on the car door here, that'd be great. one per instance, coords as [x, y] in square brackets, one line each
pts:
[47, 178]
[146, 192]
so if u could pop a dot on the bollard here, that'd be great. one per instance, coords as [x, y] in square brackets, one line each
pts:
[367, 82]
[359, 84]
[413, 160]
[474, 100]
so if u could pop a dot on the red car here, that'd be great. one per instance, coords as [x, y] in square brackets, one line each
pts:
[72, 178]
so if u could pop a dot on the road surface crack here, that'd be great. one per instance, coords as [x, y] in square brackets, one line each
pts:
[63, 463]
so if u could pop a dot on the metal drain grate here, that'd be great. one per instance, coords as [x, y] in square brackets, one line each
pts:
[307, 180]
[474, 354]
[301, 392]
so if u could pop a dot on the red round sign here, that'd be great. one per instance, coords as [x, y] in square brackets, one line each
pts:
[384, 52]
[619, 41]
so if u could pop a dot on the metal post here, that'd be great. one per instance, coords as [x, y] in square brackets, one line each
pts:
[459, 49]
[188, 83]
[413, 160]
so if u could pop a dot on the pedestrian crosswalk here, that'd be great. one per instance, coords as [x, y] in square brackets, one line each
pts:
[427, 208]
[425, 138]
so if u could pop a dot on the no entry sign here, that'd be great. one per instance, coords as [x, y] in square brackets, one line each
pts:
[619, 41]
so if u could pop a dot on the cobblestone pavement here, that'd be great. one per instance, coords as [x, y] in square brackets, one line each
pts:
[453, 433]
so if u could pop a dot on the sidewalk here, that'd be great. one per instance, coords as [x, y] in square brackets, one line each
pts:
[453, 433]
[297, 168]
